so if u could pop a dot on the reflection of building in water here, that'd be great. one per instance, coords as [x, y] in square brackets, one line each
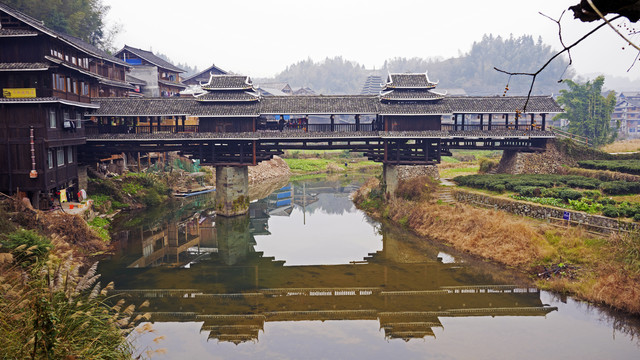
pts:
[235, 290]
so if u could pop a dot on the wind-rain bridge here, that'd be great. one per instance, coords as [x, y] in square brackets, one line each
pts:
[408, 123]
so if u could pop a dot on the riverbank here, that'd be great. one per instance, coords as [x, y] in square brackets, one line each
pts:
[51, 305]
[566, 260]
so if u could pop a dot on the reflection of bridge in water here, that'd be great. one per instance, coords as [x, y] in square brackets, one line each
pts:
[233, 289]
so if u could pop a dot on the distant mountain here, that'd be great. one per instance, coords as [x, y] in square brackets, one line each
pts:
[473, 72]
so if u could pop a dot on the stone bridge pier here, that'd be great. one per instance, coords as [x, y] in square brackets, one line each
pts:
[393, 174]
[232, 190]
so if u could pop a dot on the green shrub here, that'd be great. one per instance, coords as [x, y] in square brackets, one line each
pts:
[567, 194]
[531, 191]
[152, 198]
[27, 246]
[499, 188]
[610, 211]
[636, 217]
[592, 194]
[625, 166]
[620, 187]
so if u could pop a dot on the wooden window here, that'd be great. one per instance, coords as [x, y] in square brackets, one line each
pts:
[52, 118]
[74, 60]
[70, 154]
[68, 84]
[50, 159]
[75, 87]
[60, 156]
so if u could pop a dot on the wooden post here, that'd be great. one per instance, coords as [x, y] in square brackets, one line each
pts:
[139, 168]
[357, 117]
[254, 153]
[544, 122]
[481, 121]
[455, 122]
[332, 117]
[532, 121]
[506, 121]
[490, 117]
[517, 117]
[462, 121]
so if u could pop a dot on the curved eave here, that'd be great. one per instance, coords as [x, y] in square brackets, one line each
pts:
[49, 100]
[392, 87]
[227, 100]
[415, 114]
[412, 99]
[136, 115]
[204, 87]
[101, 79]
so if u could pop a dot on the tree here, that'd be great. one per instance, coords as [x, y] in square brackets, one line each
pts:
[588, 111]
[80, 18]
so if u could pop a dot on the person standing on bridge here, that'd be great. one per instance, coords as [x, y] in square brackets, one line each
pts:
[281, 123]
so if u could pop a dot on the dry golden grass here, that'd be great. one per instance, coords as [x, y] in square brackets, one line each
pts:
[487, 233]
[608, 269]
[622, 146]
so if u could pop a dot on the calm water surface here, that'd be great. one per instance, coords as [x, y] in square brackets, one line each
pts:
[307, 275]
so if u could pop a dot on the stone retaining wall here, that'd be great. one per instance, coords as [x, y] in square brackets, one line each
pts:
[596, 223]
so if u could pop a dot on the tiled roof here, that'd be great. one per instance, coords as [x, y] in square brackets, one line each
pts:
[410, 94]
[71, 40]
[17, 33]
[101, 79]
[172, 83]
[303, 105]
[172, 106]
[229, 96]
[415, 108]
[204, 74]
[150, 57]
[23, 66]
[242, 109]
[134, 80]
[50, 99]
[345, 104]
[501, 104]
[228, 82]
[409, 81]
[144, 106]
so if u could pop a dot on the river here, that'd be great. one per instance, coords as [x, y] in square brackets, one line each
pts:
[306, 275]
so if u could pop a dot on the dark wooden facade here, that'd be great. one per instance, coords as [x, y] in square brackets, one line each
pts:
[47, 81]
[412, 123]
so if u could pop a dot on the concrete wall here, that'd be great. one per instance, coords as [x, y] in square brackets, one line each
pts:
[596, 223]
[232, 190]
[150, 75]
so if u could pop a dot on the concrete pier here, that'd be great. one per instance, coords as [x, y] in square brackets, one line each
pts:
[232, 190]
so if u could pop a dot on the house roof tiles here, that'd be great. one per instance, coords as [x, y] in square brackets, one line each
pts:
[228, 82]
[24, 66]
[151, 58]
[409, 81]
[501, 104]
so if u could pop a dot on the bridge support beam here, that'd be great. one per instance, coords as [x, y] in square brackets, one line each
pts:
[232, 190]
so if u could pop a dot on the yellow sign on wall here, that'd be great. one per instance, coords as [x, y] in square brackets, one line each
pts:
[19, 93]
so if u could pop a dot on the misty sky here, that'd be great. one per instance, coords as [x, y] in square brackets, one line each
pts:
[260, 38]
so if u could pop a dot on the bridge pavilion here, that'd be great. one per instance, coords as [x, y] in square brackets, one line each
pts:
[410, 123]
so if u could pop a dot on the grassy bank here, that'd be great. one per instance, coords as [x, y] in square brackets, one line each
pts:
[308, 162]
[568, 260]
[51, 305]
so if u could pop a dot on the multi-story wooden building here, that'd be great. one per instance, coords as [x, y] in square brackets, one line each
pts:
[47, 81]
[627, 112]
[162, 78]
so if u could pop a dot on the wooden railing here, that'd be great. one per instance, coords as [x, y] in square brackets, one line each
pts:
[582, 140]
[486, 127]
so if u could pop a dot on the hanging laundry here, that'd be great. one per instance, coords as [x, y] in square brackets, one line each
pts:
[63, 196]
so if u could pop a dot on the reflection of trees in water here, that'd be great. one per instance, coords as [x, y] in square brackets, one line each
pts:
[618, 321]
[332, 204]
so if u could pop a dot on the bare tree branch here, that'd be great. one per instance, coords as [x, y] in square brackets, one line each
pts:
[611, 26]
[534, 75]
